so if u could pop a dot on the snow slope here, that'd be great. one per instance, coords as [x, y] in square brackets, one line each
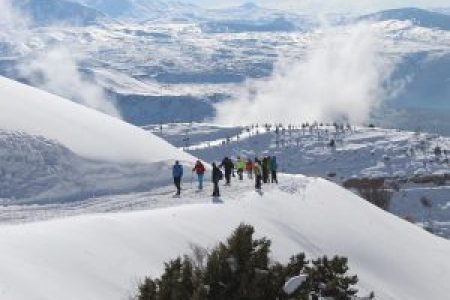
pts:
[85, 131]
[54, 150]
[103, 256]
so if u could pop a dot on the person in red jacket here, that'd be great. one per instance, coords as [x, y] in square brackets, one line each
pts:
[199, 169]
[249, 168]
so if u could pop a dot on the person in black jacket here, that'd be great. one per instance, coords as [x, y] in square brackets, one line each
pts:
[257, 169]
[228, 165]
[265, 169]
[216, 177]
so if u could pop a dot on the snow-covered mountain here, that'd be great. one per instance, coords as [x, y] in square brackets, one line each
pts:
[54, 149]
[417, 16]
[58, 12]
[144, 10]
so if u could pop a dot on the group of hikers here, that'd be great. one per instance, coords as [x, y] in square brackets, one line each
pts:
[262, 170]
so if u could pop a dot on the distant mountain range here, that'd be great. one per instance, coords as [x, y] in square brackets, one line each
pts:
[51, 12]
[251, 17]
[280, 24]
[247, 17]
[417, 16]
[247, 11]
[238, 18]
[143, 51]
[143, 10]
[232, 19]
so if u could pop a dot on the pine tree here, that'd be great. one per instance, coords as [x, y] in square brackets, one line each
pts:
[328, 278]
[176, 282]
[240, 269]
[148, 290]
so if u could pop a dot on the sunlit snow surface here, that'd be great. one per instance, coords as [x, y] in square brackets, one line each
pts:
[100, 246]
[105, 255]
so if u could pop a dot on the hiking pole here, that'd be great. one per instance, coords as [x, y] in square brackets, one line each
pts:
[192, 179]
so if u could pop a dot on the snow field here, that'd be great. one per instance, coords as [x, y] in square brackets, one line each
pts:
[103, 256]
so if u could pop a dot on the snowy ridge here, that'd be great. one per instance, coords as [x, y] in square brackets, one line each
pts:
[103, 256]
[85, 131]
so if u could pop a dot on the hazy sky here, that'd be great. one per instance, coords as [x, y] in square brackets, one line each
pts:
[330, 5]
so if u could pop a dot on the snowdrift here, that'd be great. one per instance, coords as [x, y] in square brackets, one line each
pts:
[104, 256]
[36, 170]
[54, 150]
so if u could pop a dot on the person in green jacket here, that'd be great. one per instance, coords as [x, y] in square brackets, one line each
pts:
[240, 166]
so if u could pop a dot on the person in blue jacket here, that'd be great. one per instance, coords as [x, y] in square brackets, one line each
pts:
[177, 173]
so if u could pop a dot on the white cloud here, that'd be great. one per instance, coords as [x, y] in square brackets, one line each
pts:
[12, 24]
[55, 68]
[341, 78]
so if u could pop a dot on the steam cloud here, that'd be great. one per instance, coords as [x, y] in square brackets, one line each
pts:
[54, 68]
[341, 78]
[13, 25]
[57, 71]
